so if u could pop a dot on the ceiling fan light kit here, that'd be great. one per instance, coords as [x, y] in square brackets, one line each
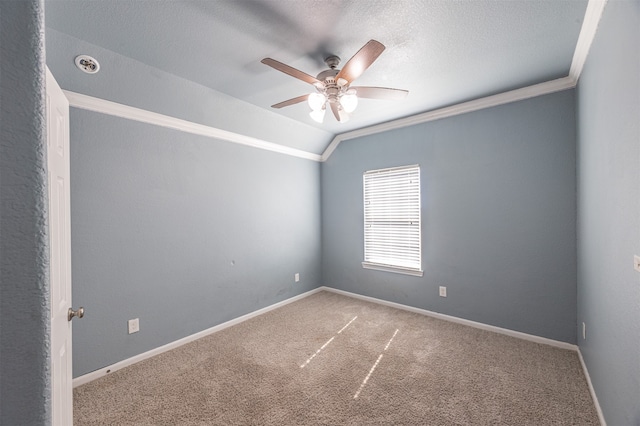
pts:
[316, 101]
[333, 85]
[318, 114]
[349, 101]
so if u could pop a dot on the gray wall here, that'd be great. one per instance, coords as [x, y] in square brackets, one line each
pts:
[608, 115]
[181, 231]
[499, 219]
[498, 215]
[158, 216]
[24, 283]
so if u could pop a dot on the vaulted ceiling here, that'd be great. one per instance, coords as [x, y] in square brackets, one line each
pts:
[443, 52]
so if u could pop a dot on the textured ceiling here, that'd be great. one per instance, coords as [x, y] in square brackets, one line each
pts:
[443, 52]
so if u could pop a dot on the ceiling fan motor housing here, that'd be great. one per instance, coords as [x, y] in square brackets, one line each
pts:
[332, 61]
[330, 73]
[330, 88]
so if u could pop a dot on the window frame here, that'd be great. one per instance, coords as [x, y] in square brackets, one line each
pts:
[412, 265]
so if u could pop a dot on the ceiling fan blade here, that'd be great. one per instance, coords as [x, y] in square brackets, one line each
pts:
[380, 93]
[290, 102]
[361, 61]
[338, 113]
[291, 71]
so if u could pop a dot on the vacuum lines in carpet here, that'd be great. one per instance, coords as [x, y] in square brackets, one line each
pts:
[329, 359]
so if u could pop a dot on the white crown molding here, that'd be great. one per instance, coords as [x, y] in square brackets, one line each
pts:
[545, 88]
[592, 17]
[587, 33]
[78, 100]
[588, 30]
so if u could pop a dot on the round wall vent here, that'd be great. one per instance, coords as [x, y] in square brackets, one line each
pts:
[87, 64]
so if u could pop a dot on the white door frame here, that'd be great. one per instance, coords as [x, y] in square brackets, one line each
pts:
[58, 166]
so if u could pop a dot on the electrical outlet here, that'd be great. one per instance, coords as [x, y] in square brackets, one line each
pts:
[443, 291]
[134, 325]
[296, 277]
[636, 263]
[584, 331]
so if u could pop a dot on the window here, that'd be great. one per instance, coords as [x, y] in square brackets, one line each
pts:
[392, 220]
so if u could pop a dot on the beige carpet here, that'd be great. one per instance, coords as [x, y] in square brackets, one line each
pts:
[310, 362]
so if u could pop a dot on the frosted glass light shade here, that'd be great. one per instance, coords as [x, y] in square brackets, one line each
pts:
[318, 115]
[316, 101]
[349, 103]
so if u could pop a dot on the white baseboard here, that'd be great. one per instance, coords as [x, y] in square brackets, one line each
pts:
[592, 391]
[140, 357]
[512, 333]
[86, 378]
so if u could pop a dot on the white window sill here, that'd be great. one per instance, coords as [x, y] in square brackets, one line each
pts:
[394, 269]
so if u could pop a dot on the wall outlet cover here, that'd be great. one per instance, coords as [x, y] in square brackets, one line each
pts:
[134, 325]
[297, 277]
[443, 291]
[636, 263]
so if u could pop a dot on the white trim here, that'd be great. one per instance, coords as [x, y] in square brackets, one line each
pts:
[394, 269]
[587, 33]
[592, 17]
[78, 100]
[81, 380]
[545, 88]
[512, 333]
[78, 381]
[332, 147]
[505, 331]
[588, 30]
[592, 391]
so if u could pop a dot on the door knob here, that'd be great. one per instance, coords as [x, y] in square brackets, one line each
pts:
[71, 313]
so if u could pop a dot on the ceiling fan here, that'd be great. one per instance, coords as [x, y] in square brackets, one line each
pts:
[333, 86]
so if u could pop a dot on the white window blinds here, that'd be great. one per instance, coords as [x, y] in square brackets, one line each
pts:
[392, 220]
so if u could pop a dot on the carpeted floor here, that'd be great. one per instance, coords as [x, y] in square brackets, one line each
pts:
[334, 360]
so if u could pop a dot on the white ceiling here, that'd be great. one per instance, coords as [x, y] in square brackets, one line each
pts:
[443, 51]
